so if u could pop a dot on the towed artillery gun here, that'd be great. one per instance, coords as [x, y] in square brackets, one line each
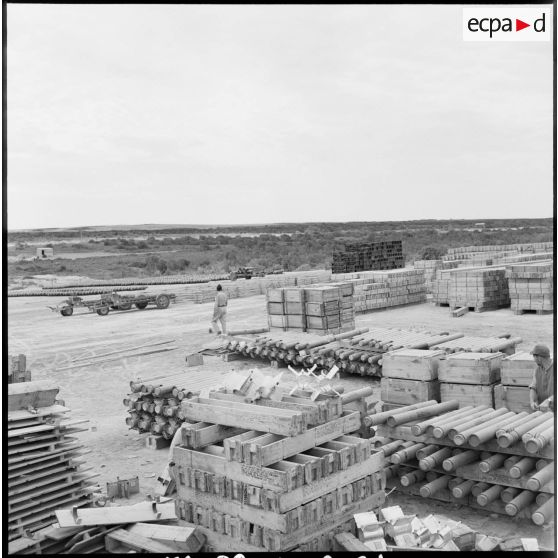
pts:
[114, 301]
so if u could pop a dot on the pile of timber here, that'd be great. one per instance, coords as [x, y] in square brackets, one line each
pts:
[144, 527]
[363, 256]
[277, 474]
[154, 403]
[45, 465]
[531, 287]
[357, 352]
[516, 376]
[374, 290]
[495, 460]
[17, 369]
[320, 310]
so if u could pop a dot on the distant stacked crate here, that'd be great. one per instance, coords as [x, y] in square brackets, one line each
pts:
[454, 253]
[430, 267]
[17, 369]
[364, 256]
[480, 289]
[516, 376]
[410, 376]
[470, 378]
[374, 290]
[531, 286]
[320, 310]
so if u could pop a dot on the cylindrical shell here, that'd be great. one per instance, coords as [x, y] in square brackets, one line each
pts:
[533, 432]
[464, 489]
[519, 418]
[435, 459]
[492, 463]
[507, 439]
[540, 441]
[428, 490]
[521, 467]
[489, 495]
[542, 497]
[406, 454]
[427, 450]
[392, 447]
[392, 471]
[442, 430]
[478, 488]
[488, 431]
[539, 479]
[381, 418]
[451, 463]
[520, 502]
[422, 427]
[511, 461]
[508, 494]
[541, 464]
[356, 394]
[545, 513]
[379, 441]
[418, 414]
[412, 477]
[465, 430]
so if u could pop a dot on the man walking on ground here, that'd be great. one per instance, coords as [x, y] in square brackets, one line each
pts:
[541, 390]
[219, 313]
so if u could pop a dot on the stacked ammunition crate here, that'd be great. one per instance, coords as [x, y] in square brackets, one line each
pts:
[365, 256]
[430, 267]
[495, 460]
[17, 369]
[470, 378]
[531, 287]
[410, 376]
[491, 249]
[481, 289]
[375, 290]
[274, 475]
[516, 376]
[320, 310]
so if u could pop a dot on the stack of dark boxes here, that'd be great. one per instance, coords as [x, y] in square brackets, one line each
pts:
[320, 310]
[410, 376]
[366, 256]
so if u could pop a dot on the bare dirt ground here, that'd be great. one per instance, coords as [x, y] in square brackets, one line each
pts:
[95, 392]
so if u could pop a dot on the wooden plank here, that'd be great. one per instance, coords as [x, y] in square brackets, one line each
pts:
[111, 516]
[186, 537]
[403, 432]
[59, 426]
[245, 416]
[52, 445]
[202, 434]
[135, 542]
[15, 416]
[23, 395]
[36, 456]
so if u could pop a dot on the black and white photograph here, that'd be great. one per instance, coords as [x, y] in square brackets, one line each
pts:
[279, 278]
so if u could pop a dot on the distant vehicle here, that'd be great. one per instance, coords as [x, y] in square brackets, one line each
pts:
[114, 301]
[249, 272]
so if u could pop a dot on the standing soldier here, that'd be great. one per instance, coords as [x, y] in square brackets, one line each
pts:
[219, 312]
[541, 390]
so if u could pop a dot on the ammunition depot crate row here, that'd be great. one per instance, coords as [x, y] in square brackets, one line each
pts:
[495, 460]
[367, 256]
[322, 310]
[253, 491]
[531, 286]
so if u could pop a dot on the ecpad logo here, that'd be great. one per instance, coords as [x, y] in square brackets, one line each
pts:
[507, 24]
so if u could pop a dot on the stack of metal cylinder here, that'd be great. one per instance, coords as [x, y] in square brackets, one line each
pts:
[492, 459]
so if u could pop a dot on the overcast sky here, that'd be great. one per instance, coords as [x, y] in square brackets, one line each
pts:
[123, 114]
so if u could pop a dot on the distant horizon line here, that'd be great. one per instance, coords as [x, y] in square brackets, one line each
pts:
[279, 223]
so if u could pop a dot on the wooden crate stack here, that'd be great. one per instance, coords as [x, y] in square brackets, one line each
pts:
[480, 289]
[531, 287]
[375, 290]
[318, 310]
[516, 376]
[410, 376]
[276, 474]
[17, 369]
[45, 466]
[470, 378]
[430, 268]
[494, 460]
[365, 255]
